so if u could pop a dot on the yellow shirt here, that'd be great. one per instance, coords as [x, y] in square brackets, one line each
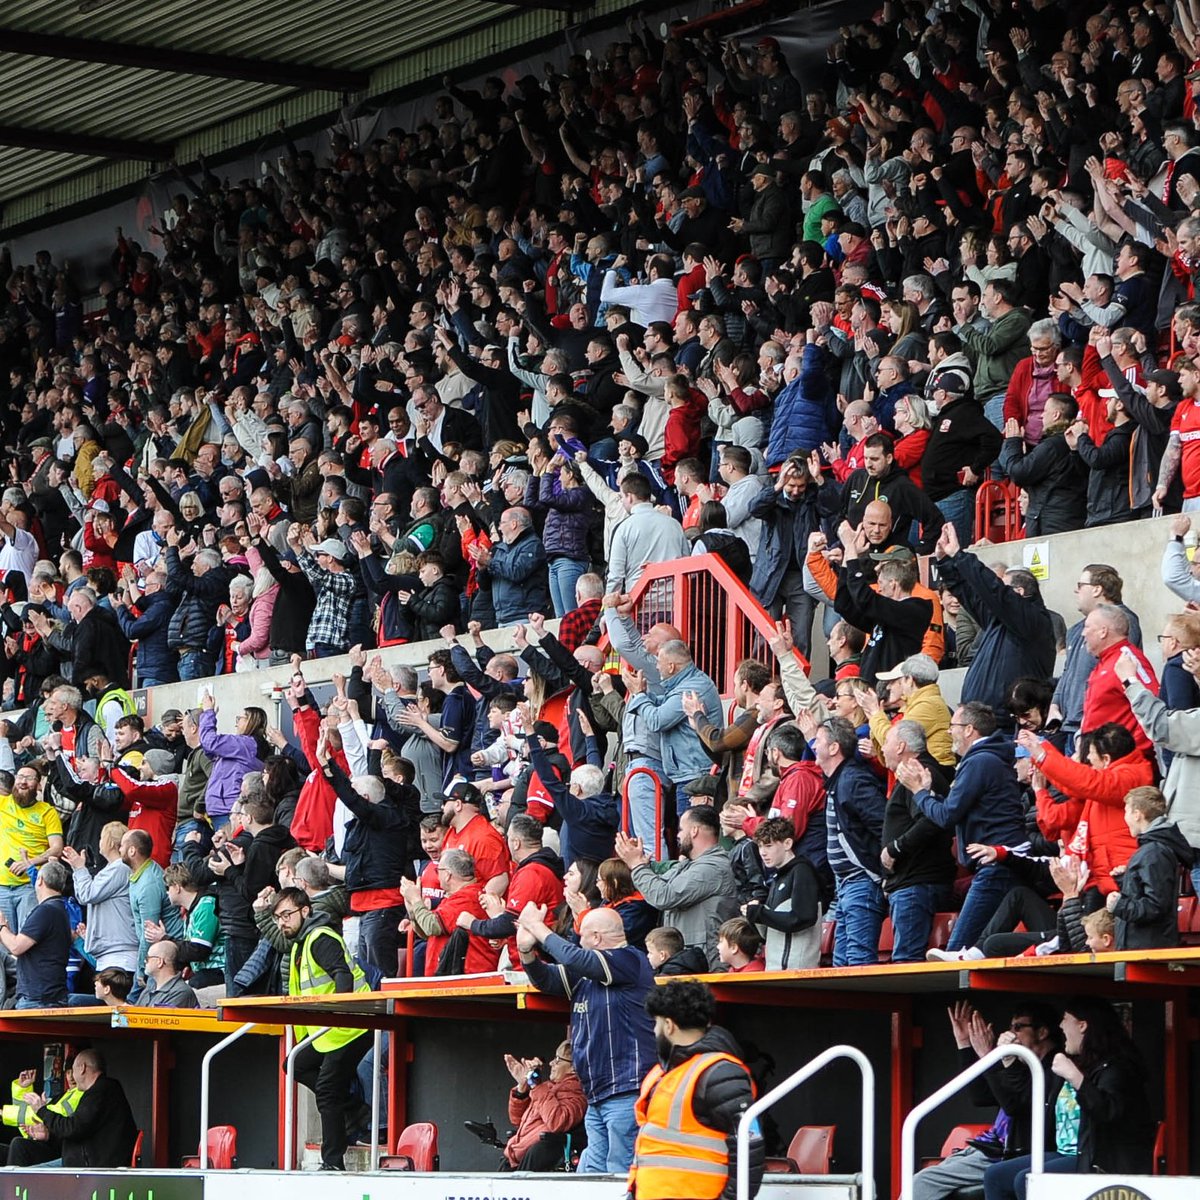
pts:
[28, 829]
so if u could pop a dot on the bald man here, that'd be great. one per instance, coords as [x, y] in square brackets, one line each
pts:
[1106, 637]
[166, 987]
[101, 1131]
[612, 1038]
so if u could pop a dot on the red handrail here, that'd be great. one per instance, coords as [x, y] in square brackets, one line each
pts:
[658, 803]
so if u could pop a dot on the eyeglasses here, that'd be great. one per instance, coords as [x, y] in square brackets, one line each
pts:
[960, 724]
[1017, 1026]
[283, 915]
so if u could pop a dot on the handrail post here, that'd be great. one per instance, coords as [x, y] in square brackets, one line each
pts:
[289, 1100]
[376, 1074]
[1037, 1133]
[788, 1086]
[205, 1070]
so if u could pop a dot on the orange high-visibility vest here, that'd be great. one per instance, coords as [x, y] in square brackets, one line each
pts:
[675, 1155]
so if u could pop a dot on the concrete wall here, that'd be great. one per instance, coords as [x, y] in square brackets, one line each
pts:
[1135, 549]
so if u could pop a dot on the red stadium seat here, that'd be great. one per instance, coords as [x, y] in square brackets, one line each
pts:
[416, 1149]
[222, 1150]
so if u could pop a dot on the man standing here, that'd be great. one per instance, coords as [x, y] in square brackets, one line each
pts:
[320, 965]
[983, 805]
[43, 946]
[167, 988]
[691, 1103]
[854, 806]
[607, 982]
[646, 536]
[30, 835]
[696, 894]
[516, 568]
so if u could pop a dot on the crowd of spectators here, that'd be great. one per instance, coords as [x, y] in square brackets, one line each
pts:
[479, 374]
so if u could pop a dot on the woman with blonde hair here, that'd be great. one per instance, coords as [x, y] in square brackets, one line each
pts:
[902, 320]
[913, 424]
[1178, 689]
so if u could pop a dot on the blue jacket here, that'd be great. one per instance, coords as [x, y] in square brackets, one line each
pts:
[854, 803]
[1016, 638]
[589, 823]
[984, 801]
[155, 659]
[802, 416]
[783, 540]
[683, 754]
[612, 1037]
[568, 515]
[519, 579]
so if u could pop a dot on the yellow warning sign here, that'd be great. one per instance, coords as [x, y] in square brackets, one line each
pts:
[1037, 559]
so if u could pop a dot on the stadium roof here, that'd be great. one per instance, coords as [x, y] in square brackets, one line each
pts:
[91, 85]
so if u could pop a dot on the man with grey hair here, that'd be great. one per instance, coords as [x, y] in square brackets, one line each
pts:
[590, 815]
[921, 701]
[917, 863]
[661, 708]
[43, 944]
[923, 292]
[197, 594]
[91, 639]
[516, 569]
[456, 877]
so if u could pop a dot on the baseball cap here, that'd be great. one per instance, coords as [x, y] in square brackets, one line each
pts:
[763, 169]
[462, 789]
[1168, 380]
[636, 440]
[953, 383]
[332, 547]
[893, 554]
[692, 193]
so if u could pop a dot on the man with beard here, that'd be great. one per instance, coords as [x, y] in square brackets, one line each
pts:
[30, 834]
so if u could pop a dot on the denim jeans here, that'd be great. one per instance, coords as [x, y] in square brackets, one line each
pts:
[959, 509]
[990, 885]
[641, 801]
[16, 903]
[913, 910]
[181, 832]
[379, 938]
[195, 664]
[793, 602]
[1006, 1180]
[564, 574]
[861, 907]
[327, 650]
[611, 1131]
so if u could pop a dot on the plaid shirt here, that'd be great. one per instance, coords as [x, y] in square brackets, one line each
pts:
[331, 618]
[577, 624]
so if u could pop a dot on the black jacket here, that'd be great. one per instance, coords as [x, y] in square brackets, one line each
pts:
[961, 437]
[294, 603]
[97, 641]
[920, 848]
[1116, 1131]
[783, 542]
[907, 502]
[375, 849]
[262, 855]
[792, 904]
[1109, 475]
[100, 1132]
[1012, 1089]
[722, 1094]
[1016, 638]
[1146, 912]
[1054, 476]
[429, 608]
[236, 912]
[197, 599]
[589, 824]
[896, 627]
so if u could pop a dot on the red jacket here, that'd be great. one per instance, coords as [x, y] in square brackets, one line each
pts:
[481, 956]
[153, 804]
[1016, 399]
[312, 824]
[535, 879]
[1105, 699]
[1095, 809]
[801, 793]
[546, 1108]
[682, 435]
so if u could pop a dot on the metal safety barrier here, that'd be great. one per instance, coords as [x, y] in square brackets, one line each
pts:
[789, 1085]
[205, 1081]
[1037, 1134]
[289, 1100]
[626, 823]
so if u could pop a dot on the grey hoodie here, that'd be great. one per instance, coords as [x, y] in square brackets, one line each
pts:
[111, 939]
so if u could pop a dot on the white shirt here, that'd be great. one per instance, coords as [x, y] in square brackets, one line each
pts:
[19, 553]
[648, 302]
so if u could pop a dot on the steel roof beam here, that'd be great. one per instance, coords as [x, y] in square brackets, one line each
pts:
[89, 144]
[182, 62]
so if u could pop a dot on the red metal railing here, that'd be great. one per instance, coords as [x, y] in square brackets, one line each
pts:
[626, 825]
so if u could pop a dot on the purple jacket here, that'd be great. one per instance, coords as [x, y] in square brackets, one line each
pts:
[568, 515]
[232, 757]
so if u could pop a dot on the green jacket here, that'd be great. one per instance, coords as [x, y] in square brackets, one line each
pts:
[997, 351]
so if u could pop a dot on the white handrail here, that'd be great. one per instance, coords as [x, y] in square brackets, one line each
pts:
[1037, 1134]
[789, 1085]
[289, 1099]
[376, 1072]
[205, 1065]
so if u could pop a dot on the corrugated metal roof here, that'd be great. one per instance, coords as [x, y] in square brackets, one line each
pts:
[50, 106]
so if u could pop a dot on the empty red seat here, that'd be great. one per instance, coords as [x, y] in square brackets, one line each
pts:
[416, 1149]
[810, 1152]
[942, 928]
[222, 1150]
[887, 940]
